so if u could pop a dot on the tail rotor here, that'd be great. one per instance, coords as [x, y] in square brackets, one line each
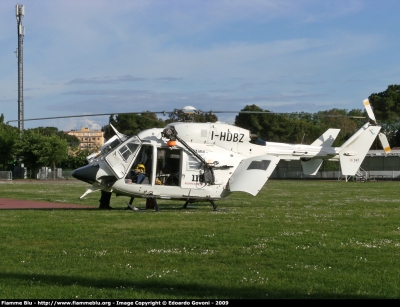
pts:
[368, 108]
[382, 137]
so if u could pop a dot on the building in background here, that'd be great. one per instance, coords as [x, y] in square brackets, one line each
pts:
[90, 140]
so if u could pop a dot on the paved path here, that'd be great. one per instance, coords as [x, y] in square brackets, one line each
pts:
[8, 203]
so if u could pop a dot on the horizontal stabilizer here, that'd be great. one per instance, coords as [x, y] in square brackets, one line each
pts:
[251, 174]
[312, 166]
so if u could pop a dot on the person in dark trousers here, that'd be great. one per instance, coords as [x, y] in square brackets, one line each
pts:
[105, 200]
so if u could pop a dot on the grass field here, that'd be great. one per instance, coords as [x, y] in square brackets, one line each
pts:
[296, 239]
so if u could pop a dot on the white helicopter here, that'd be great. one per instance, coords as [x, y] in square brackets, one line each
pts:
[196, 162]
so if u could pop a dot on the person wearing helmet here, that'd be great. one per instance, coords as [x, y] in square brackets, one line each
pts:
[140, 172]
[140, 168]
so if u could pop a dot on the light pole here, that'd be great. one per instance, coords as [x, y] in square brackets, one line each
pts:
[20, 12]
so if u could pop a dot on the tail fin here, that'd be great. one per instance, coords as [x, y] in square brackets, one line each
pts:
[311, 166]
[354, 150]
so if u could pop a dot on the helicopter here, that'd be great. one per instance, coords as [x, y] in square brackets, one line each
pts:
[206, 162]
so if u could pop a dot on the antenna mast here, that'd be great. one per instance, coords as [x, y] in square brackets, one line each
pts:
[20, 12]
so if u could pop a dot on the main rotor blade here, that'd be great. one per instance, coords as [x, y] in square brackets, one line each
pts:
[86, 115]
[287, 113]
[175, 111]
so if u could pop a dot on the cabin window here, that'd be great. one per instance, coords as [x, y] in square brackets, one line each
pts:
[260, 165]
[259, 142]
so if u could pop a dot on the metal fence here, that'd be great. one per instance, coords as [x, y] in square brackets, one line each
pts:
[46, 173]
[365, 175]
[362, 175]
[382, 175]
[300, 175]
[6, 175]
[67, 174]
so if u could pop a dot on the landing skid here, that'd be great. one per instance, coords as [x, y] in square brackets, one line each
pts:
[134, 208]
[151, 203]
[210, 200]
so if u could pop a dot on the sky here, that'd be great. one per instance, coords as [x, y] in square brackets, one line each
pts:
[103, 56]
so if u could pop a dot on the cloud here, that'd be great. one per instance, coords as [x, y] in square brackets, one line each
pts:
[97, 80]
[120, 79]
[168, 79]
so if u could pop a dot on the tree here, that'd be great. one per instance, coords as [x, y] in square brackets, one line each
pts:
[27, 148]
[254, 122]
[72, 140]
[340, 119]
[276, 127]
[131, 124]
[37, 150]
[8, 136]
[198, 117]
[301, 127]
[53, 150]
[46, 130]
[386, 107]
[76, 160]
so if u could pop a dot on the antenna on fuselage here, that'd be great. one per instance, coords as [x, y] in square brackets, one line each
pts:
[189, 110]
[121, 136]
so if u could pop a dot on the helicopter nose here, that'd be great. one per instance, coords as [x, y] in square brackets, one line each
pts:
[86, 173]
